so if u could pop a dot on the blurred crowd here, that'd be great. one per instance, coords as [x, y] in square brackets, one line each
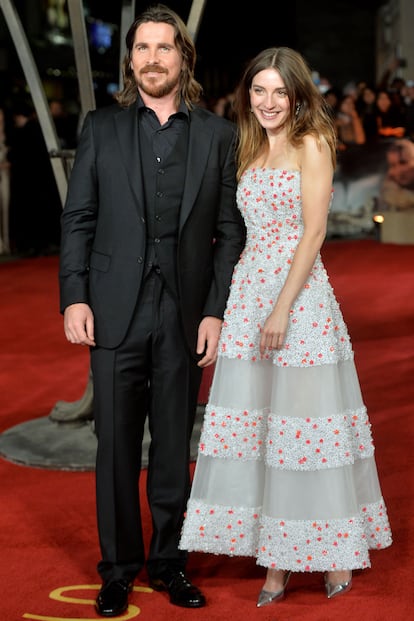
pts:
[367, 114]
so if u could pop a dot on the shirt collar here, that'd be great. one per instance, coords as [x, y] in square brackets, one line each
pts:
[182, 109]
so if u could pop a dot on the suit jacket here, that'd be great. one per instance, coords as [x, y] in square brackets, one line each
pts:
[104, 231]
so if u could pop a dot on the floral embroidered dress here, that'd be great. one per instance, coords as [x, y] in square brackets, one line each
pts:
[286, 470]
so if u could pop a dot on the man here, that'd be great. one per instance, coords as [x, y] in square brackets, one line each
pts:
[150, 236]
[397, 189]
[35, 207]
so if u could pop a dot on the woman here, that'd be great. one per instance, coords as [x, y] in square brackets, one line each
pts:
[367, 111]
[390, 118]
[286, 470]
[349, 127]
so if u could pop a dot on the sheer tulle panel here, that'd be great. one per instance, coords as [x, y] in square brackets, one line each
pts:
[316, 391]
[333, 493]
[229, 483]
[242, 384]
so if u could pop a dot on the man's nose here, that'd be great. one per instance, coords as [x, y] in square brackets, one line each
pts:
[153, 56]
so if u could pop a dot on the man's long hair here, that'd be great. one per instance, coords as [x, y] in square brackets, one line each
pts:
[190, 90]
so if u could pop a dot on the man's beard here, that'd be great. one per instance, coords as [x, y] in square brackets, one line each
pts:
[157, 90]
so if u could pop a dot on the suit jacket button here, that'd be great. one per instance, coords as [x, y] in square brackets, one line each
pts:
[140, 260]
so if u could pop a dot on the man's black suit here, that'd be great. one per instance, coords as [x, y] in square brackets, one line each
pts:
[139, 324]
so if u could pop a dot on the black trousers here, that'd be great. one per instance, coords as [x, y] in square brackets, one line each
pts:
[150, 374]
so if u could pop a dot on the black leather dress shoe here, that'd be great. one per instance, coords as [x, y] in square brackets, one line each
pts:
[112, 599]
[179, 588]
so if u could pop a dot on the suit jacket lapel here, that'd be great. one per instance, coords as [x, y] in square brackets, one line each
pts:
[198, 149]
[126, 128]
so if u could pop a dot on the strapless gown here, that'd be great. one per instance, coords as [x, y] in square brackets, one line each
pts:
[286, 470]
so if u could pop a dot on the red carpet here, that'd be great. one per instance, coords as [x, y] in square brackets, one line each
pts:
[47, 521]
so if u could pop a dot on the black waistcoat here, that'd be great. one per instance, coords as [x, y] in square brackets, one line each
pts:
[163, 186]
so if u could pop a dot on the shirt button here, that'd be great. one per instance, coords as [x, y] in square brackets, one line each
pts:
[157, 240]
[160, 194]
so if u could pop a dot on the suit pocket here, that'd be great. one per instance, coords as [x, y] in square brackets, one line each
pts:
[99, 261]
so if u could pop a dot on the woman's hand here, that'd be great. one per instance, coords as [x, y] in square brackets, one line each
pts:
[274, 331]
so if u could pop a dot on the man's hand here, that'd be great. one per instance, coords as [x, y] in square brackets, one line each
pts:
[79, 325]
[208, 337]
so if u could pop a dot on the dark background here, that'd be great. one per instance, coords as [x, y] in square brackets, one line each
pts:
[337, 38]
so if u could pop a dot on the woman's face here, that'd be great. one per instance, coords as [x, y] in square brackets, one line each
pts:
[368, 95]
[347, 105]
[269, 100]
[383, 101]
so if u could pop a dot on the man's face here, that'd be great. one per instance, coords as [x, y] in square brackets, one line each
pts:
[156, 60]
[401, 167]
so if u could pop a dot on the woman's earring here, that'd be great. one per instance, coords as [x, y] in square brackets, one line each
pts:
[298, 106]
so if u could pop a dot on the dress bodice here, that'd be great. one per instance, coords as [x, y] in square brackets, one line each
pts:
[271, 204]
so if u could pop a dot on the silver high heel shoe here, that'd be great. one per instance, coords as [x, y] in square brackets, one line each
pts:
[267, 597]
[332, 590]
